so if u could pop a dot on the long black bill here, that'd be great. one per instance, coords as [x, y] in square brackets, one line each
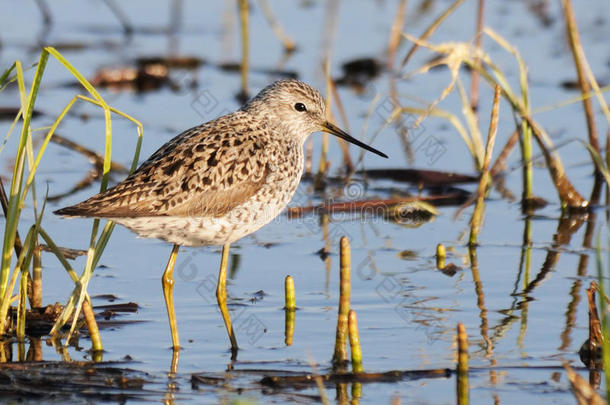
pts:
[333, 129]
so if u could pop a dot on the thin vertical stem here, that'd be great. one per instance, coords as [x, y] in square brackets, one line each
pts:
[36, 296]
[462, 367]
[245, 64]
[354, 342]
[579, 56]
[474, 85]
[340, 355]
[94, 332]
[396, 33]
[440, 256]
[23, 292]
[485, 178]
[289, 293]
[289, 308]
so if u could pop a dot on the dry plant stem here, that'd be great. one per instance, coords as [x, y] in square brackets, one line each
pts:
[372, 206]
[36, 296]
[582, 390]
[323, 164]
[500, 165]
[477, 215]
[243, 17]
[462, 366]
[354, 342]
[595, 329]
[120, 16]
[395, 31]
[94, 332]
[93, 156]
[318, 381]
[579, 56]
[347, 159]
[279, 32]
[430, 30]
[567, 193]
[474, 85]
[340, 355]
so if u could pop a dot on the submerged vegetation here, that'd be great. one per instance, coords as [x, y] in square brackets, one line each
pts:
[338, 189]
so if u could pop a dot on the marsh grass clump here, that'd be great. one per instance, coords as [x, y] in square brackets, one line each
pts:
[19, 255]
[456, 55]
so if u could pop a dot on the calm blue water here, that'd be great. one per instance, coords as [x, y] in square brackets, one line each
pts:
[407, 310]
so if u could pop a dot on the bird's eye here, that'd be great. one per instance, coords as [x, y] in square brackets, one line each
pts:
[300, 107]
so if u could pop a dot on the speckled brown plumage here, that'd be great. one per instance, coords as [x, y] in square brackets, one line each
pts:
[222, 180]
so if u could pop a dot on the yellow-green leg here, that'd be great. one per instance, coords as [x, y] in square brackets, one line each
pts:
[221, 295]
[168, 292]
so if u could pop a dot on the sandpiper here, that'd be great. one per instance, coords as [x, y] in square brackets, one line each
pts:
[220, 181]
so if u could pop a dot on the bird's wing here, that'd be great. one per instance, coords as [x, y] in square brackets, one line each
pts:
[205, 171]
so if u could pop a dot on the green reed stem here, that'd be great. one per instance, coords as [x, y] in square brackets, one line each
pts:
[289, 293]
[21, 310]
[14, 208]
[441, 253]
[354, 342]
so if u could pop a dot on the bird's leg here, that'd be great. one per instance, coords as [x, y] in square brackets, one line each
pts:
[221, 295]
[168, 292]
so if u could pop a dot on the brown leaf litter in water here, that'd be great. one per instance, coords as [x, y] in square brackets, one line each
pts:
[41, 320]
[591, 350]
[424, 178]
[63, 381]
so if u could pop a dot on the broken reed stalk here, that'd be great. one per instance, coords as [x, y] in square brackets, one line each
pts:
[595, 341]
[579, 55]
[36, 295]
[474, 85]
[441, 252]
[340, 354]
[485, 178]
[500, 164]
[289, 310]
[354, 342]
[278, 30]
[289, 293]
[462, 366]
[243, 18]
